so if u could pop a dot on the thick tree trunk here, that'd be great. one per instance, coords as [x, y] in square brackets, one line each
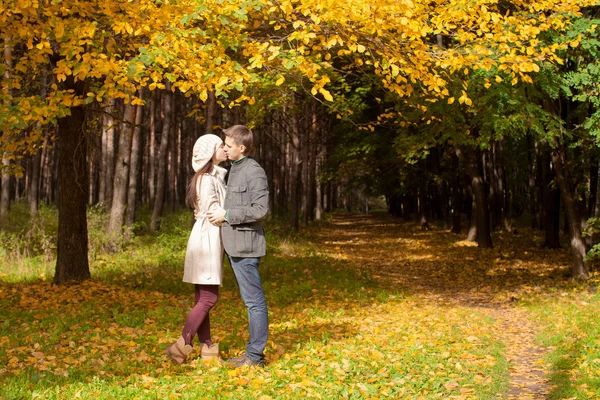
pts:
[211, 112]
[167, 109]
[119, 201]
[482, 215]
[134, 169]
[72, 246]
[578, 265]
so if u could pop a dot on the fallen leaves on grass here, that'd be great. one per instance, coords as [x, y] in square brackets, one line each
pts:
[364, 308]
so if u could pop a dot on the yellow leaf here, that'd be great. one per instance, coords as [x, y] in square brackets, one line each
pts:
[326, 94]
[451, 100]
[280, 81]
[360, 48]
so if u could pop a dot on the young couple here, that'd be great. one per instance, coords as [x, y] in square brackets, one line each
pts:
[227, 218]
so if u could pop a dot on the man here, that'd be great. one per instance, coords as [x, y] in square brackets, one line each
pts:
[246, 204]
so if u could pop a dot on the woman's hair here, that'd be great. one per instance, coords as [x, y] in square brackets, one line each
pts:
[242, 137]
[192, 194]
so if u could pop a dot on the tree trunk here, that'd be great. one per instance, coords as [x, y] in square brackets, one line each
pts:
[295, 175]
[422, 193]
[320, 160]
[5, 193]
[551, 201]
[482, 215]
[578, 265]
[211, 112]
[108, 151]
[305, 184]
[119, 200]
[284, 166]
[167, 109]
[532, 190]
[501, 195]
[72, 246]
[134, 169]
[152, 151]
[457, 203]
[593, 187]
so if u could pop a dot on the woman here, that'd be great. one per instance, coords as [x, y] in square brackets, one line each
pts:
[204, 255]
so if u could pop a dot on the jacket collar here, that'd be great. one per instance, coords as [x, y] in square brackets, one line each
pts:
[219, 172]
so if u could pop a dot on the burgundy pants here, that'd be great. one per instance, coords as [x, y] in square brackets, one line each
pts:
[198, 321]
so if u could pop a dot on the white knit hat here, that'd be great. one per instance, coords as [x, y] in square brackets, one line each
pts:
[204, 149]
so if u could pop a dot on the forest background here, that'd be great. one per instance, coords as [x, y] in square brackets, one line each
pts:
[483, 109]
[475, 118]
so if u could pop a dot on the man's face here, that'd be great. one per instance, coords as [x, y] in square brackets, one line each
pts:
[233, 150]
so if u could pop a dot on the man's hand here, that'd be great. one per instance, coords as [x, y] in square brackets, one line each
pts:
[216, 216]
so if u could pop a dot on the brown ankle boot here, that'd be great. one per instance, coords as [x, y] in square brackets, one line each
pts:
[210, 352]
[179, 351]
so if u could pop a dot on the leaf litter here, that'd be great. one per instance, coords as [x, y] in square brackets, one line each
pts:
[362, 307]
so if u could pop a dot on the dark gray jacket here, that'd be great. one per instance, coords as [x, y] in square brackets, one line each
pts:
[247, 202]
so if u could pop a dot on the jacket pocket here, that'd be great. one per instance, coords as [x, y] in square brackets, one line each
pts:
[247, 238]
[239, 195]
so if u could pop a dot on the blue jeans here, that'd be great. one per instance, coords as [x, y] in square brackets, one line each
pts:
[251, 291]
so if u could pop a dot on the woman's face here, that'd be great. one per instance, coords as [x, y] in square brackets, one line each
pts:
[219, 155]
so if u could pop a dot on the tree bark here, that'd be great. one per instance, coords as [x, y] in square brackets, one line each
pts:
[422, 193]
[578, 264]
[5, 193]
[108, 152]
[72, 247]
[134, 169]
[533, 200]
[501, 195]
[167, 109]
[551, 201]
[211, 112]
[593, 187]
[456, 196]
[119, 200]
[284, 166]
[152, 151]
[482, 215]
[295, 175]
[305, 163]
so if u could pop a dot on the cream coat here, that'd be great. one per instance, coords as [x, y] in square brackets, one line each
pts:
[204, 255]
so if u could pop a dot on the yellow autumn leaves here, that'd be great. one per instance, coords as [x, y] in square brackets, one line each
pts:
[238, 49]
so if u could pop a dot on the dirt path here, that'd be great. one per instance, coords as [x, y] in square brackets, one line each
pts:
[440, 267]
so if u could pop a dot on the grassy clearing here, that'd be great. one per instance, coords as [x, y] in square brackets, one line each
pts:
[572, 331]
[335, 332]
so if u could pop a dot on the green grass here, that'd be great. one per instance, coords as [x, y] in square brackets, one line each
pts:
[573, 333]
[334, 332]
